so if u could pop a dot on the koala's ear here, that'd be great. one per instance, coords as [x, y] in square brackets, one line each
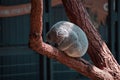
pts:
[62, 33]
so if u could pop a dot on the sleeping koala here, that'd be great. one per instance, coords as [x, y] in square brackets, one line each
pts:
[68, 38]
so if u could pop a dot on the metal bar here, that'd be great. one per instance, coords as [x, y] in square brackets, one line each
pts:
[111, 28]
[18, 74]
[25, 64]
[118, 39]
[41, 67]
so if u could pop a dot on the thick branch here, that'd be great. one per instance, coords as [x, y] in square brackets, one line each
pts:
[37, 44]
[36, 21]
[79, 65]
[98, 51]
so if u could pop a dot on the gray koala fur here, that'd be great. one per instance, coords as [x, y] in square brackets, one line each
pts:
[69, 38]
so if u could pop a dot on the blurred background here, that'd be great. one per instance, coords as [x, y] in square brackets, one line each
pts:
[18, 62]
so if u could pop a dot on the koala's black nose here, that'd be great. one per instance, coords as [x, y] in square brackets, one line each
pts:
[55, 45]
[47, 42]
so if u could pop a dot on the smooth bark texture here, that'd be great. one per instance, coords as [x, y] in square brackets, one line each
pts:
[98, 51]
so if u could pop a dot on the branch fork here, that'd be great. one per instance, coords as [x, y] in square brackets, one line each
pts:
[104, 63]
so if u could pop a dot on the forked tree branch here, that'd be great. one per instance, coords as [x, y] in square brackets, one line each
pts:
[98, 50]
[80, 65]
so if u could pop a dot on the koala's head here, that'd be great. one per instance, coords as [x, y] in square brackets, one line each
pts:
[56, 34]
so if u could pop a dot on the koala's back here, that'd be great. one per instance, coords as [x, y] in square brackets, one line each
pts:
[78, 47]
[81, 37]
[76, 43]
[77, 30]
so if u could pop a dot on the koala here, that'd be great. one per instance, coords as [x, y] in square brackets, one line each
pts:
[69, 38]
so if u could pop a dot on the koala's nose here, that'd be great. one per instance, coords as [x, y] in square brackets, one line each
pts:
[53, 44]
[47, 42]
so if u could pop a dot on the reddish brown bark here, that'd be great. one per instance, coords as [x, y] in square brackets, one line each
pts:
[99, 51]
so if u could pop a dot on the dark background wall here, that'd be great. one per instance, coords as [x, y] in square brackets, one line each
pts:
[17, 61]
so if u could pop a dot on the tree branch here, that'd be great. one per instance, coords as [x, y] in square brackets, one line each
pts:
[37, 44]
[98, 50]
